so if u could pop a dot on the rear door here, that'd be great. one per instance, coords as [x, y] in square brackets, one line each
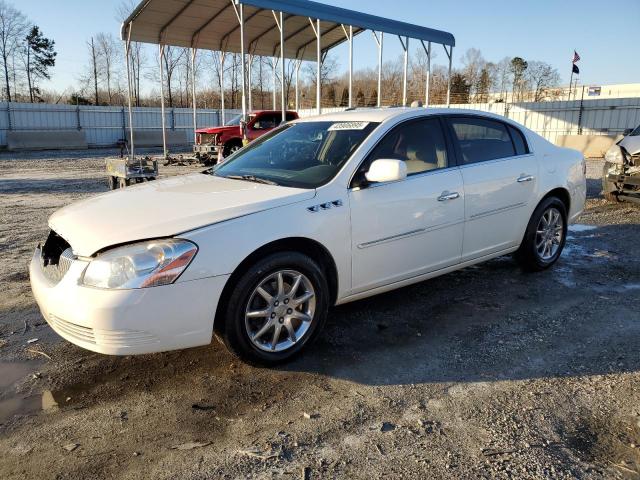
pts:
[500, 182]
[404, 229]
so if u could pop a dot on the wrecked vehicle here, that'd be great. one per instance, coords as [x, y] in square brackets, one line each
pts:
[621, 175]
[216, 143]
[320, 212]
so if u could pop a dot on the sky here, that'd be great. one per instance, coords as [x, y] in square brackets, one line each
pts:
[605, 34]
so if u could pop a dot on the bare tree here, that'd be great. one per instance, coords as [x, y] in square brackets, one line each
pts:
[94, 71]
[107, 58]
[13, 28]
[137, 53]
[472, 65]
[171, 57]
[541, 78]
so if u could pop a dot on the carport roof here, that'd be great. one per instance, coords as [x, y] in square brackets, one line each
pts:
[213, 25]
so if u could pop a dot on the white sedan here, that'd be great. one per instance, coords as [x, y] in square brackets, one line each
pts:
[321, 212]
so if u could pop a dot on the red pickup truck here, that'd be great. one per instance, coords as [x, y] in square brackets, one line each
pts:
[216, 143]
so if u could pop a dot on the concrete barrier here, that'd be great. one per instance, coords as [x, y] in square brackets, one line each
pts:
[153, 138]
[46, 140]
[591, 146]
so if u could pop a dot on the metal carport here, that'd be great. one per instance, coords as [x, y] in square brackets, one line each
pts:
[298, 30]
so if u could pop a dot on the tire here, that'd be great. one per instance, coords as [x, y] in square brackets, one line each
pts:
[231, 148]
[241, 331]
[112, 182]
[609, 189]
[123, 182]
[529, 256]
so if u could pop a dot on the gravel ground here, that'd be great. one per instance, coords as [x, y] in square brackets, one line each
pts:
[483, 373]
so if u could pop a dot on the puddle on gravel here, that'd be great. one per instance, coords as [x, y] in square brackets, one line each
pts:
[577, 228]
[11, 403]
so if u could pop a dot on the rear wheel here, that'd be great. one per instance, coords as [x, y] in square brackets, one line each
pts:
[545, 236]
[112, 182]
[277, 308]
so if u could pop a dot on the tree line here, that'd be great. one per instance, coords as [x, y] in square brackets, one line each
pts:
[26, 55]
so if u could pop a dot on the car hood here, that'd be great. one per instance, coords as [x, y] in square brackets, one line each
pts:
[164, 208]
[631, 144]
[219, 130]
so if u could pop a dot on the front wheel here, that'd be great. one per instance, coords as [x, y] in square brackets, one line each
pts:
[277, 308]
[545, 236]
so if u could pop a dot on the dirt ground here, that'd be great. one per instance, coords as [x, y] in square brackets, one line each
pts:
[483, 373]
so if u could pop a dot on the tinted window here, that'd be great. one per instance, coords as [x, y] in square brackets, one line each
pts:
[635, 133]
[267, 121]
[420, 144]
[303, 155]
[482, 139]
[290, 116]
[519, 141]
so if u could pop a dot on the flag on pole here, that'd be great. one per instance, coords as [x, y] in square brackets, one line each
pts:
[576, 70]
[576, 57]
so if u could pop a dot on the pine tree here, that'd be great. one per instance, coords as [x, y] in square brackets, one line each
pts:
[40, 57]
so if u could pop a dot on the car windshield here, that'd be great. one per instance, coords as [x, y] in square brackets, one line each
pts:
[234, 122]
[301, 155]
[635, 133]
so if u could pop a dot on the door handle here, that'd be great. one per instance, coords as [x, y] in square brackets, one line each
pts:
[448, 196]
[525, 178]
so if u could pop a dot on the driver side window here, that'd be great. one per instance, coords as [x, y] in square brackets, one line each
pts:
[420, 144]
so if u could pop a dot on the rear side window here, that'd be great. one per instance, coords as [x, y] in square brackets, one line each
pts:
[291, 116]
[482, 139]
[519, 141]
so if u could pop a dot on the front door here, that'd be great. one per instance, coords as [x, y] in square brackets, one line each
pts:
[404, 229]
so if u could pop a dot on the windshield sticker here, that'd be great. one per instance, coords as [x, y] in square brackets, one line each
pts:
[348, 126]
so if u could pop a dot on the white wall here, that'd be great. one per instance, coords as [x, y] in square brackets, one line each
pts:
[553, 119]
[103, 126]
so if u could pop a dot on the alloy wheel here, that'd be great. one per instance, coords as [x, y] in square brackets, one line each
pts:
[549, 234]
[280, 311]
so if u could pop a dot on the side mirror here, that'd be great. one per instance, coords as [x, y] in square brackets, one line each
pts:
[385, 170]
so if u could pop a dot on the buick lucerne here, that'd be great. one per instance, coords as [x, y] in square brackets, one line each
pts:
[319, 212]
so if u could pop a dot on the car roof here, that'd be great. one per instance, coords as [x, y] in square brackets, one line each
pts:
[381, 115]
[257, 112]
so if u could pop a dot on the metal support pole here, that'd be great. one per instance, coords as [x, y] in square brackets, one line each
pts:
[223, 56]
[249, 78]
[243, 69]
[427, 50]
[193, 94]
[279, 18]
[127, 47]
[450, 55]
[162, 111]
[405, 76]
[349, 35]
[380, 42]
[298, 65]
[274, 65]
[318, 32]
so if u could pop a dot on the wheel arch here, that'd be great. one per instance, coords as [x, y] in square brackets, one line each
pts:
[304, 245]
[560, 193]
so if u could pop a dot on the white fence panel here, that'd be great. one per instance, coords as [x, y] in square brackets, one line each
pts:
[552, 119]
[103, 126]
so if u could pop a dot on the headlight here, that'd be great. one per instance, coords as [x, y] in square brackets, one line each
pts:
[140, 265]
[614, 155]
